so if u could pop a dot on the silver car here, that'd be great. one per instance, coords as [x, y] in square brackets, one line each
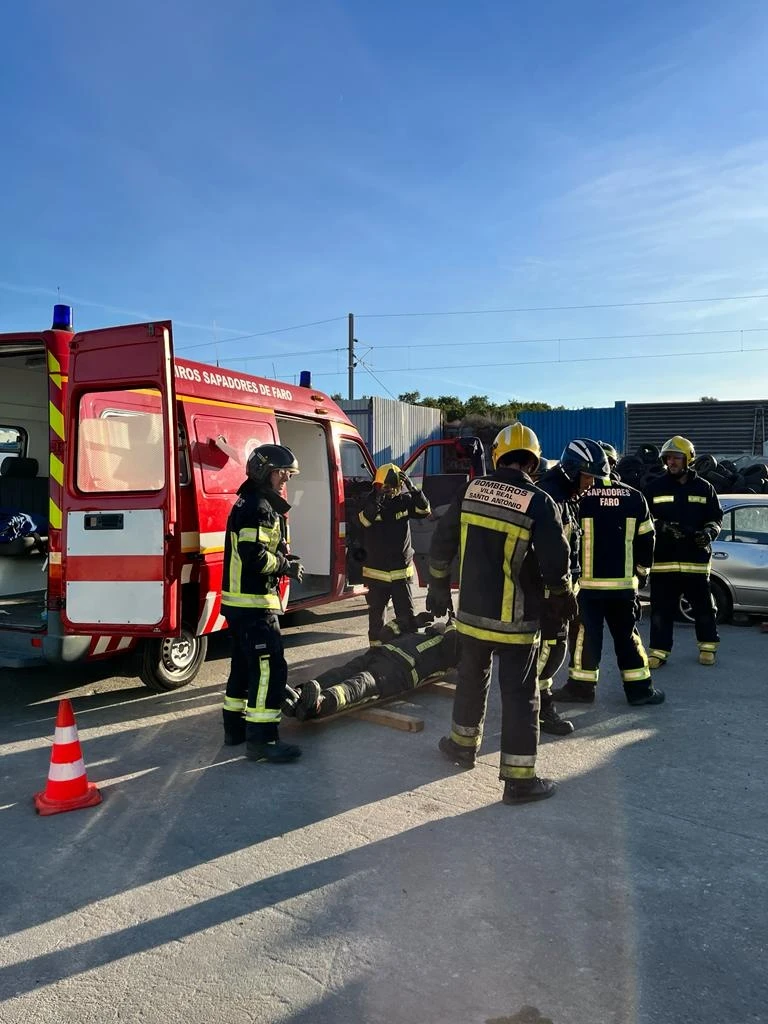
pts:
[740, 558]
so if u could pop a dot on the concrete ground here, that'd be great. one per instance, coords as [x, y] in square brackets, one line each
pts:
[371, 882]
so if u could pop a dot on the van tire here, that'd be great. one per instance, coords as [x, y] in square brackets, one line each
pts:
[172, 662]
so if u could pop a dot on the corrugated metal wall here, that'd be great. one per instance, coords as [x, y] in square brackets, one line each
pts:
[556, 427]
[392, 429]
[721, 428]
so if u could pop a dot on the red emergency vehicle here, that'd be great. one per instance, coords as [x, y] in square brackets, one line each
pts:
[118, 467]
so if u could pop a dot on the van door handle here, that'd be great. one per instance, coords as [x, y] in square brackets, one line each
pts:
[722, 555]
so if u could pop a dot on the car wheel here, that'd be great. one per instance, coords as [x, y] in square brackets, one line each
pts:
[721, 598]
[172, 662]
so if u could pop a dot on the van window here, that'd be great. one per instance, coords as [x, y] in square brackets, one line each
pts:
[221, 447]
[354, 465]
[13, 441]
[120, 442]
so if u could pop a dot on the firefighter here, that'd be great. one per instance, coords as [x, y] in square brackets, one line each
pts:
[616, 553]
[582, 461]
[514, 564]
[256, 555]
[688, 518]
[403, 661]
[613, 460]
[388, 554]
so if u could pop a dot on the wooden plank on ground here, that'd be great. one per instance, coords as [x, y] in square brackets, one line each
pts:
[441, 686]
[389, 717]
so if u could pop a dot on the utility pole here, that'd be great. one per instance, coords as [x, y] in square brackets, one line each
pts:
[351, 352]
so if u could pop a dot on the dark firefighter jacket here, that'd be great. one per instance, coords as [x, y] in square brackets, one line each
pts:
[560, 489]
[511, 546]
[254, 549]
[387, 534]
[690, 506]
[616, 536]
[419, 655]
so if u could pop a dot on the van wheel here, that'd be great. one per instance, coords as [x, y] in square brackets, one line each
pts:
[723, 604]
[172, 662]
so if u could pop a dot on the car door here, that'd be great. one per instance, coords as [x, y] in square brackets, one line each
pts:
[740, 555]
[121, 548]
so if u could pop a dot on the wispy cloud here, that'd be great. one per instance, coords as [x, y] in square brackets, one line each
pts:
[78, 300]
[675, 224]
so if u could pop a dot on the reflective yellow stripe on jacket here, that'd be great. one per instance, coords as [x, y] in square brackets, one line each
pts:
[698, 567]
[388, 577]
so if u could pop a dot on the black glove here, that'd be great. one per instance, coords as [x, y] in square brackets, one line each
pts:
[404, 480]
[703, 538]
[642, 578]
[293, 568]
[672, 529]
[562, 606]
[438, 599]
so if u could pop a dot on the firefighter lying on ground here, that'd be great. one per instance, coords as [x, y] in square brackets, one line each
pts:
[387, 554]
[688, 518]
[403, 661]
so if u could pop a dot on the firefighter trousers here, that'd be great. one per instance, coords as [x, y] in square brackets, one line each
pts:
[556, 640]
[258, 673]
[378, 597]
[666, 590]
[618, 610]
[361, 679]
[519, 702]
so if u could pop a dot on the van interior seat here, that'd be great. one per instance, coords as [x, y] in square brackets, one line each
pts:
[22, 490]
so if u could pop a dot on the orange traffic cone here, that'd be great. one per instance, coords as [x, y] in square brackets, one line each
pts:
[68, 787]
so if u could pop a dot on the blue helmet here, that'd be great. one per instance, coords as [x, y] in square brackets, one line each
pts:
[582, 455]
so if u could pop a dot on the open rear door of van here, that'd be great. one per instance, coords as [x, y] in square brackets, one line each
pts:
[121, 545]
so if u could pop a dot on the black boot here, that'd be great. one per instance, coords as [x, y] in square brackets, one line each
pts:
[291, 699]
[653, 697]
[575, 692]
[525, 791]
[549, 720]
[464, 757]
[234, 728]
[309, 700]
[274, 751]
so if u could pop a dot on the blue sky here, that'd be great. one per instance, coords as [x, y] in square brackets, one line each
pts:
[255, 165]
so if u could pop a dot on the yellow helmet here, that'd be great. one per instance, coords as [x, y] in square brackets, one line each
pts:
[387, 475]
[515, 438]
[678, 445]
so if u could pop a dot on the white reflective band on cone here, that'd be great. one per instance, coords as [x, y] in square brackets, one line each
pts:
[66, 772]
[65, 734]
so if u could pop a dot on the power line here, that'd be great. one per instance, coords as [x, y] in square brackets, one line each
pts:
[368, 370]
[562, 362]
[263, 334]
[285, 355]
[591, 337]
[555, 309]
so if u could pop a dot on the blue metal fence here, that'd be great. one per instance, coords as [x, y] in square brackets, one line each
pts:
[556, 427]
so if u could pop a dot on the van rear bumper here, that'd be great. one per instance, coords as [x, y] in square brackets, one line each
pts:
[27, 649]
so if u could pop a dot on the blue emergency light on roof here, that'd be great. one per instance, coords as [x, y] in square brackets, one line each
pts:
[62, 318]
[305, 379]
